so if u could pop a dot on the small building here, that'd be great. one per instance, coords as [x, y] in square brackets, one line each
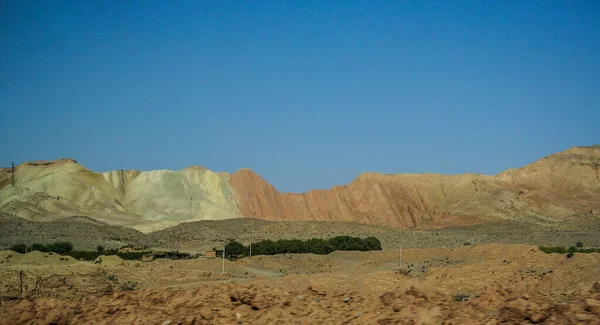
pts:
[132, 248]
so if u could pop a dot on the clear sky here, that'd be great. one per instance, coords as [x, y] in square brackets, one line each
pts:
[309, 94]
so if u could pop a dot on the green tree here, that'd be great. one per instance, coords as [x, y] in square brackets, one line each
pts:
[19, 248]
[373, 244]
[61, 247]
[40, 247]
[234, 248]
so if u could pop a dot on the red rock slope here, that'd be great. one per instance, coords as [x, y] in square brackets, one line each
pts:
[548, 190]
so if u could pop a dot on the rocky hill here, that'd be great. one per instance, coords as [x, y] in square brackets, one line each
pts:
[45, 191]
[549, 190]
[556, 188]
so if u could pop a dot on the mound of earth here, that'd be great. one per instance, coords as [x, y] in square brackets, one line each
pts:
[9, 257]
[108, 260]
[84, 233]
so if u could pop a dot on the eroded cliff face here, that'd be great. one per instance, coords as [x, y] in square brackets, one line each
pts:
[551, 188]
[397, 200]
[257, 198]
[120, 179]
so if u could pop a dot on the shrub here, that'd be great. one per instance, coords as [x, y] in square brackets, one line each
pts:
[112, 278]
[571, 250]
[550, 250]
[129, 286]
[589, 250]
[100, 249]
[462, 297]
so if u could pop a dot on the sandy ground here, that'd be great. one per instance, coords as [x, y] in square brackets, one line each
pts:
[482, 284]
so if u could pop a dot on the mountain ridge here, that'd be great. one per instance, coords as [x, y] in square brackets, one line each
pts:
[551, 189]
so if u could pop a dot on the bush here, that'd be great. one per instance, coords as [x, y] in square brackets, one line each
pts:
[128, 286]
[100, 249]
[550, 250]
[589, 250]
[571, 250]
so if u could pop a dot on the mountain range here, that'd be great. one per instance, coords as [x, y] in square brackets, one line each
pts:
[550, 191]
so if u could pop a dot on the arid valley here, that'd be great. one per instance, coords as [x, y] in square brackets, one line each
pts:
[454, 249]
[299, 162]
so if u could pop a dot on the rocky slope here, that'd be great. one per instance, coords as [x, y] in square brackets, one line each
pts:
[46, 191]
[548, 191]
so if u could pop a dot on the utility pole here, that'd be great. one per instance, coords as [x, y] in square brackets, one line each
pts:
[250, 245]
[191, 207]
[400, 256]
[223, 271]
[12, 170]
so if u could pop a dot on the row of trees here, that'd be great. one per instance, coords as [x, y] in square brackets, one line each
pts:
[296, 246]
[66, 248]
[60, 247]
[578, 248]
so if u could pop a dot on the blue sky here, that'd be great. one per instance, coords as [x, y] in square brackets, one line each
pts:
[309, 94]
